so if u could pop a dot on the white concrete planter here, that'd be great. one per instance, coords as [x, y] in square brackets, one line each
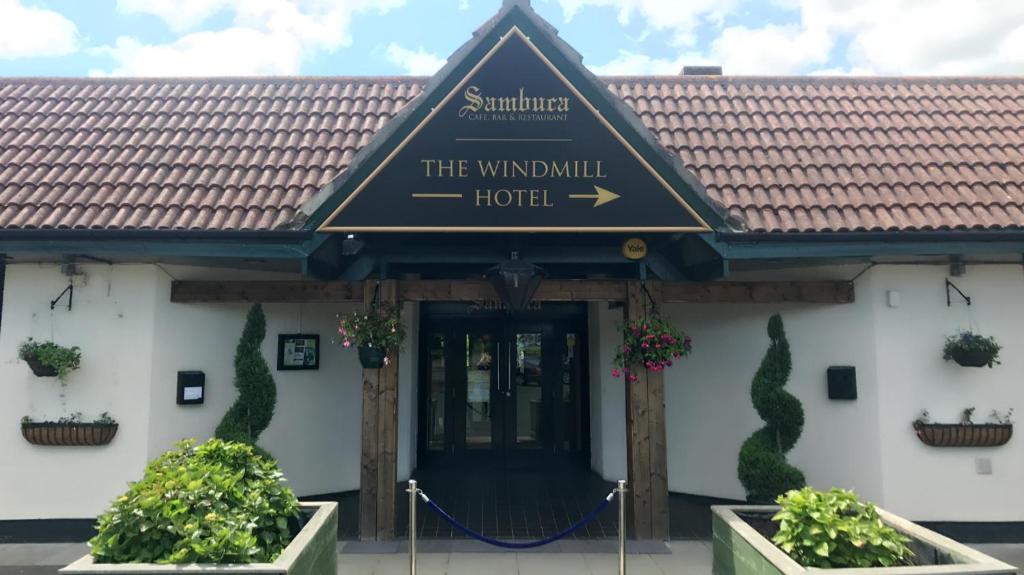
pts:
[739, 549]
[313, 552]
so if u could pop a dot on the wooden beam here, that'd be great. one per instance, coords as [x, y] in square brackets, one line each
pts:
[378, 471]
[638, 432]
[760, 292]
[479, 289]
[387, 430]
[265, 291]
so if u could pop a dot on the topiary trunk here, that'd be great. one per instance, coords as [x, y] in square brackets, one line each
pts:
[257, 394]
[763, 469]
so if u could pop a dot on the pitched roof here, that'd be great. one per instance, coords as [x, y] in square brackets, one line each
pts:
[780, 154]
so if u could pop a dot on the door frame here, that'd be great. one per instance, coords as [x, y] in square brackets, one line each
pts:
[456, 319]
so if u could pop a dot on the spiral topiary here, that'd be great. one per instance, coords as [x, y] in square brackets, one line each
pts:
[763, 469]
[252, 411]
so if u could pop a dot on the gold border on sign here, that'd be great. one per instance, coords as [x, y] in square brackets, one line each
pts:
[704, 227]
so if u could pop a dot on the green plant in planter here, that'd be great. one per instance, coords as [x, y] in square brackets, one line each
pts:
[377, 333]
[53, 358]
[219, 502]
[833, 529]
[763, 469]
[971, 350]
[252, 411]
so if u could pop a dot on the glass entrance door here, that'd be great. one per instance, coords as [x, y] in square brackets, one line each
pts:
[506, 393]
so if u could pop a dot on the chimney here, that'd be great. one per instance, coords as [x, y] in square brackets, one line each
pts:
[702, 70]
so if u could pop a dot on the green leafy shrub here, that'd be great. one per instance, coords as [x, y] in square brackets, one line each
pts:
[252, 411]
[762, 468]
[218, 502]
[61, 359]
[832, 529]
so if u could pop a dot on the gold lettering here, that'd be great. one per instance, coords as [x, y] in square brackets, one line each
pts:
[445, 166]
[563, 104]
[600, 172]
[560, 170]
[502, 198]
[426, 167]
[486, 197]
[473, 99]
[520, 169]
[488, 169]
[539, 173]
[547, 204]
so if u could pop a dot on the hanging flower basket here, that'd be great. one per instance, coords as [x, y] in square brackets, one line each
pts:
[376, 332]
[969, 349]
[651, 343]
[964, 435]
[372, 357]
[47, 359]
[68, 434]
[39, 369]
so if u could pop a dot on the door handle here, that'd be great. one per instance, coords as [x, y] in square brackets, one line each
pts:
[508, 382]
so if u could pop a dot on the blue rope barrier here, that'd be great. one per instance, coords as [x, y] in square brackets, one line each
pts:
[515, 545]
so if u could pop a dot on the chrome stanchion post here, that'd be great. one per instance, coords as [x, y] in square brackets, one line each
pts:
[412, 526]
[621, 491]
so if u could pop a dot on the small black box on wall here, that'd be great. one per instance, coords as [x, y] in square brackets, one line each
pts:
[842, 382]
[191, 387]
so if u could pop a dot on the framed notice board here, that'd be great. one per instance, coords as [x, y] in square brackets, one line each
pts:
[298, 351]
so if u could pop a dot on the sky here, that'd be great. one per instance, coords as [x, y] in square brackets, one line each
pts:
[397, 37]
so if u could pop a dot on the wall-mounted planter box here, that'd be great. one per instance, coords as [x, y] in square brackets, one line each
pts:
[53, 433]
[313, 551]
[958, 435]
[39, 369]
[741, 549]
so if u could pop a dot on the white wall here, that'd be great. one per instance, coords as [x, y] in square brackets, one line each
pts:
[941, 483]
[111, 321]
[607, 395]
[134, 341]
[709, 412]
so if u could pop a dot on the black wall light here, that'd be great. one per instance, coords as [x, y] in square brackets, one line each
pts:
[516, 281]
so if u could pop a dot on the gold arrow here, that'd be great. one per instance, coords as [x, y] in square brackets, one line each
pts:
[602, 196]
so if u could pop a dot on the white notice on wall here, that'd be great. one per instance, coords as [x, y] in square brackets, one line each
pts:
[192, 393]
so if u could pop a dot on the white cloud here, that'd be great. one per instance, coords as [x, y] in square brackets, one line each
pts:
[266, 36]
[180, 15]
[633, 63]
[900, 37]
[771, 49]
[680, 18]
[417, 62]
[231, 52]
[27, 31]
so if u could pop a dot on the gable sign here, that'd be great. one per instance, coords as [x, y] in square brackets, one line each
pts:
[514, 147]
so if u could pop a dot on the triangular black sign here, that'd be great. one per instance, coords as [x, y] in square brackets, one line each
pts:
[514, 147]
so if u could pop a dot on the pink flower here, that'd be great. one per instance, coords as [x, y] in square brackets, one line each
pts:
[633, 378]
[387, 360]
[616, 372]
[346, 343]
[645, 345]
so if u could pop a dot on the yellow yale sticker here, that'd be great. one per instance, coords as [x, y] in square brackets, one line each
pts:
[634, 249]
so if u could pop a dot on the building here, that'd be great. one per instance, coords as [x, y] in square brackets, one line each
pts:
[864, 210]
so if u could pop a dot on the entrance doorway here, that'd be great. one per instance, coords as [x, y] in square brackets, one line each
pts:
[503, 392]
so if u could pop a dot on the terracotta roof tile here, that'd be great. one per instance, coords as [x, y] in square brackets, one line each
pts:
[780, 154]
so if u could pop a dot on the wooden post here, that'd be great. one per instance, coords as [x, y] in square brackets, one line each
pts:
[647, 466]
[379, 460]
